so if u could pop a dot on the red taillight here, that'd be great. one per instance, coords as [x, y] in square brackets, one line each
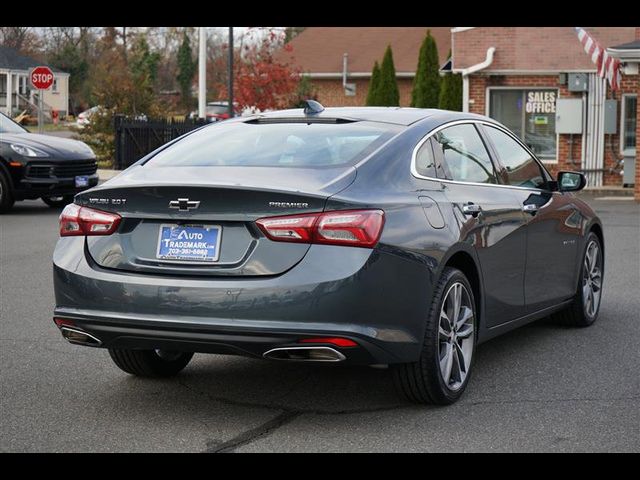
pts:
[359, 228]
[337, 341]
[292, 228]
[63, 322]
[76, 220]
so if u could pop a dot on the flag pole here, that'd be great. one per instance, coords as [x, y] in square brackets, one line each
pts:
[202, 73]
[231, 109]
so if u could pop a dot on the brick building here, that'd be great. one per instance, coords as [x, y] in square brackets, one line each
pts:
[519, 75]
[332, 56]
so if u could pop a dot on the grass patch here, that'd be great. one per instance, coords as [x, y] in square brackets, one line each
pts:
[50, 127]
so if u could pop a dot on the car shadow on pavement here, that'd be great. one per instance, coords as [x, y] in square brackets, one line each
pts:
[328, 389]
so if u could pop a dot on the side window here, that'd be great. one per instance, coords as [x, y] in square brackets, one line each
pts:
[425, 160]
[464, 155]
[522, 168]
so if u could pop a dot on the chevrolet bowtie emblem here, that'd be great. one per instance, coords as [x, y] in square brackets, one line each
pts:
[184, 204]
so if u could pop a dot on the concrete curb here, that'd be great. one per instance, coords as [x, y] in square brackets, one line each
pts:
[609, 191]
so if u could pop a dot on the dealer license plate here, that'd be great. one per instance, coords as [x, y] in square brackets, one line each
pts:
[194, 243]
[82, 181]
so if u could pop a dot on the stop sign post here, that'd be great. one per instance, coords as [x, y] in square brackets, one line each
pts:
[41, 78]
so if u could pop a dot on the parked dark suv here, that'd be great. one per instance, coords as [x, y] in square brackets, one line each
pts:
[42, 166]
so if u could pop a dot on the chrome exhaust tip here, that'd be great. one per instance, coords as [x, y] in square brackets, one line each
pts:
[305, 354]
[79, 337]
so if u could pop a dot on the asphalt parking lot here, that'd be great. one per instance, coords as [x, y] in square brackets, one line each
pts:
[540, 388]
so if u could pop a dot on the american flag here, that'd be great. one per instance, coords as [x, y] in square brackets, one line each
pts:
[607, 66]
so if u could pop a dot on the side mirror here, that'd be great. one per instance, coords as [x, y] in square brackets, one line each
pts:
[571, 181]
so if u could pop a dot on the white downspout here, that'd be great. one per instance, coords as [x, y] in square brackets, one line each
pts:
[345, 58]
[472, 69]
[465, 93]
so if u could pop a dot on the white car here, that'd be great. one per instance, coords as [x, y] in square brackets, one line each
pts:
[84, 118]
[217, 111]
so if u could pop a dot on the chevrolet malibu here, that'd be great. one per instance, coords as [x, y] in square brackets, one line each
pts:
[394, 236]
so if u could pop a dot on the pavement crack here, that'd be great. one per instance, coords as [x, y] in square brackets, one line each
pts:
[291, 389]
[249, 436]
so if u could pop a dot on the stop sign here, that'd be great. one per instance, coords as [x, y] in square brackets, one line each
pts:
[41, 78]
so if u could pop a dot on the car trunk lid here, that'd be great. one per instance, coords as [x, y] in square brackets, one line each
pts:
[190, 199]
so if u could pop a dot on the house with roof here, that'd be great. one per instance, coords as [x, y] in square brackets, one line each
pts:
[339, 60]
[16, 93]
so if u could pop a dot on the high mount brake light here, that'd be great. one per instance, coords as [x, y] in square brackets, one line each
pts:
[79, 221]
[358, 228]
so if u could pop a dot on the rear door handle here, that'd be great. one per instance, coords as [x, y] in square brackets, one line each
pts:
[531, 208]
[471, 209]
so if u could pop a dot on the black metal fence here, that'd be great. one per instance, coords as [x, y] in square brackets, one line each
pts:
[134, 138]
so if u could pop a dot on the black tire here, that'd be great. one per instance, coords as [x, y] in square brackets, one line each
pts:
[150, 363]
[58, 202]
[422, 381]
[576, 314]
[6, 197]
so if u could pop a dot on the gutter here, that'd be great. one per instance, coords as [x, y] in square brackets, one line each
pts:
[461, 29]
[340, 75]
[473, 69]
[626, 54]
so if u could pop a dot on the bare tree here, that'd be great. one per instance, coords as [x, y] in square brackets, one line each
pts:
[22, 39]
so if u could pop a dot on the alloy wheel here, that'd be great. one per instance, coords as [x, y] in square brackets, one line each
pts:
[592, 279]
[456, 336]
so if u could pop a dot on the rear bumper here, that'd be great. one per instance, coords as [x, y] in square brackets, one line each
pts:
[131, 333]
[32, 188]
[377, 299]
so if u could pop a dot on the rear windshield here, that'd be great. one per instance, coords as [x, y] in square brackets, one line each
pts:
[276, 145]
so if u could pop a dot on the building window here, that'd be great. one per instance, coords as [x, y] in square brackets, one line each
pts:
[530, 114]
[54, 87]
[629, 124]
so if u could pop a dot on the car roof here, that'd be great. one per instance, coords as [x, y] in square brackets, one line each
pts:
[395, 115]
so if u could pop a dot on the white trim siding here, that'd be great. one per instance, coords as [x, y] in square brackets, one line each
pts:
[527, 72]
[594, 154]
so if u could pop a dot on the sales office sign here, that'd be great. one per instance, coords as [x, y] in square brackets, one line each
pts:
[541, 102]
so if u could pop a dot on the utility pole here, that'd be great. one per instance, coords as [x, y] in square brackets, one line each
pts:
[231, 109]
[202, 74]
